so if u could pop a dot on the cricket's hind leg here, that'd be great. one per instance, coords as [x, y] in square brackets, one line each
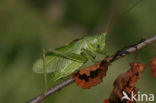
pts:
[45, 73]
[71, 56]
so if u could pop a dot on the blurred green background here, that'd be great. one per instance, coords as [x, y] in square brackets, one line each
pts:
[27, 26]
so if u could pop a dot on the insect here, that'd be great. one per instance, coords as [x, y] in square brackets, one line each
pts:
[63, 61]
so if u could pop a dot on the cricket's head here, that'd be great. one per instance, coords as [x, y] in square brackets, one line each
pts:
[96, 42]
[101, 39]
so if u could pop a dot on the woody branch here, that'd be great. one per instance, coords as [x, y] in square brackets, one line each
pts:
[110, 59]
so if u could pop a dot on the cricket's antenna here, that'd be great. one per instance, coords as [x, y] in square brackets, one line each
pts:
[44, 67]
[109, 25]
[112, 12]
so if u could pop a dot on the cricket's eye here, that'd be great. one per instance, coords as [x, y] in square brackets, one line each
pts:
[98, 46]
[82, 53]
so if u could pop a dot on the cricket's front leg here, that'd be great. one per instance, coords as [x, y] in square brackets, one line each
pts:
[90, 55]
[104, 52]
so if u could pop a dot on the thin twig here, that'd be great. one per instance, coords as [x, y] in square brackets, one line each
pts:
[112, 58]
[52, 90]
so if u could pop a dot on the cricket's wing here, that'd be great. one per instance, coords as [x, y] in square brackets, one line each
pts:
[66, 69]
[58, 66]
[50, 64]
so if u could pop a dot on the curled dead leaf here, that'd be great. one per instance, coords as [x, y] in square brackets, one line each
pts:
[153, 66]
[126, 82]
[91, 76]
